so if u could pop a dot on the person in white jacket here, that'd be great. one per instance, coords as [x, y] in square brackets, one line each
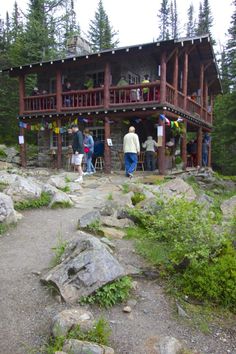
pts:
[131, 148]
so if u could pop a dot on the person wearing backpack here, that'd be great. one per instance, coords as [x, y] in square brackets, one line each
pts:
[88, 151]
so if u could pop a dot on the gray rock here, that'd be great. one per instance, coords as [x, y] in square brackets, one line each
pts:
[57, 181]
[110, 208]
[69, 319]
[48, 188]
[205, 200]
[7, 178]
[228, 207]
[150, 206]
[60, 352]
[177, 188]
[7, 213]
[87, 266]
[164, 345]
[181, 311]
[113, 233]
[79, 347]
[60, 198]
[111, 221]
[23, 189]
[127, 309]
[88, 218]
[123, 200]
[74, 187]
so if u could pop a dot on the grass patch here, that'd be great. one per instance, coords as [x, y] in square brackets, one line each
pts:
[42, 201]
[125, 188]
[3, 228]
[137, 198]
[65, 189]
[3, 154]
[62, 205]
[94, 228]
[110, 294]
[110, 196]
[68, 179]
[191, 180]
[3, 186]
[99, 334]
[58, 250]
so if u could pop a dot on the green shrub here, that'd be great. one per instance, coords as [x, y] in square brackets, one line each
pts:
[58, 251]
[3, 153]
[65, 189]
[99, 334]
[110, 196]
[62, 205]
[110, 294]
[3, 228]
[137, 198]
[43, 200]
[178, 160]
[94, 228]
[125, 188]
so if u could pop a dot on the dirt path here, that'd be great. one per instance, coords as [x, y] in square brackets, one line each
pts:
[26, 307]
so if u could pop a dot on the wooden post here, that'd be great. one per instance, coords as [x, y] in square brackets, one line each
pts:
[59, 145]
[206, 100]
[184, 147]
[212, 104]
[107, 149]
[163, 78]
[58, 91]
[175, 77]
[107, 80]
[201, 88]
[199, 147]
[209, 154]
[21, 94]
[185, 79]
[23, 161]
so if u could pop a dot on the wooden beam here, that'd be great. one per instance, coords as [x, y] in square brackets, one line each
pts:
[107, 82]
[185, 79]
[23, 161]
[58, 90]
[201, 85]
[199, 147]
[175, 76]
[161, 149]
[107, 149]
[163, 78]
[59, 145]
[21, 94]
[206, 98]
[171, 54]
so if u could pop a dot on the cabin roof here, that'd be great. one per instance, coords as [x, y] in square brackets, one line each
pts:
[204, 52]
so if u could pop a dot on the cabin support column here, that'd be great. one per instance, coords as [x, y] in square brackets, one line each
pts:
[59, 145]
[107, 80]
[161, 149]
[58, 91]
[107, 149]
[209, 154]
[201, 88]
[185, 92]
[206, 100]
[175, 77]
[199, 147]
[23, 161]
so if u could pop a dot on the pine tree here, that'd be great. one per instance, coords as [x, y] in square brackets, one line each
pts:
[7, 29]
[101, 34]
[16, 22]
[164, 21]
[224, 69]
[205, 20]
[231, 49]
[173, 19]
[191, 24]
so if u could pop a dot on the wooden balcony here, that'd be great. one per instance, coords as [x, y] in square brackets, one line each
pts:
[140, 95]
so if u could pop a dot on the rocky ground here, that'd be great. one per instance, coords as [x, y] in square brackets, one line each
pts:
[27, 307]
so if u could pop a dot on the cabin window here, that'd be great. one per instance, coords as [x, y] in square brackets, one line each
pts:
[98, 133]
[66, 141]
[98, 78]
[133, 78]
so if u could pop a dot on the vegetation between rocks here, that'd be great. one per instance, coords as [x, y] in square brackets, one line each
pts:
[65, 189]
[3, 153]
[99, 334]
[43, 200]
[58, 251]
[94, 228]
[3, 186]
[62, 205]
[110, 294]
[137, 198]
[182, 240]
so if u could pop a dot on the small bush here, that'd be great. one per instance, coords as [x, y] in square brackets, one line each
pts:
[110, 196]
[58, 251]
[43, 200]
[3, 153]
[110, 294]
[3, 228]
[94, 228]
[125, 188]
[62, 205]
[65, 189]
[137, 198]
[99, 334]
[67, 179]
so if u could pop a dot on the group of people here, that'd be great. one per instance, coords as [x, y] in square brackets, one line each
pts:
[83, 149]
[131, 148]
[192, 150]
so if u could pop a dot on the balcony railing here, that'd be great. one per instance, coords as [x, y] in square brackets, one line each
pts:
[130, 95]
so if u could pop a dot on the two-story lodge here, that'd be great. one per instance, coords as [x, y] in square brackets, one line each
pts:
[183, 82]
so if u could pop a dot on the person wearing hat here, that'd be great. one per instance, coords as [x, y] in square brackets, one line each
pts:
[150, 145]
[131, 148]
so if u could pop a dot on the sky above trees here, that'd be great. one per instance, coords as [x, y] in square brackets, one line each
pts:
[137, 21]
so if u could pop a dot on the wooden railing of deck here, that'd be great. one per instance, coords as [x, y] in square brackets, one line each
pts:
[193, 107]
[180, 101]
[134, 94]
[83, 99]
[42, 103]
[170, 94]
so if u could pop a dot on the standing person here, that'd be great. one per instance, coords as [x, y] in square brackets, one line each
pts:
[146, 89]
[150, 146]
[131, 148]
[88, 150]
[78, 151]
[204, 153]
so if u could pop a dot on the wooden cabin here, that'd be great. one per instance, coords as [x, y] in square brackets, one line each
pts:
[183, 82]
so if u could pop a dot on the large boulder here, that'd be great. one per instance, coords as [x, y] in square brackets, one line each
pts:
[112, 221]
[61, 198]
[48, 188]
[76, 346]
[228, 207]
[23, 189]
[175, 188]
[87, 266]
[67, 320]
[7, 178]
[88, 219]
[164, 345]
[57, 181]
[123, 200]
[7, 213]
